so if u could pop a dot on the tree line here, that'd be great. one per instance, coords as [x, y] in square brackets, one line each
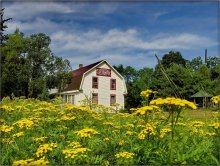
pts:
[172, 76]
[28, 66]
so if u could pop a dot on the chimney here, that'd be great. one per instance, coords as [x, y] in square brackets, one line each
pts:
[80, 66]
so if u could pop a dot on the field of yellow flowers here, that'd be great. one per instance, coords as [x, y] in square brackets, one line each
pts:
[36, 132]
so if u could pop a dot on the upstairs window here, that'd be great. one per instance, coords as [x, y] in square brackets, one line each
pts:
[113, 84]
[95, 98]
[95, 82]
[112, 99]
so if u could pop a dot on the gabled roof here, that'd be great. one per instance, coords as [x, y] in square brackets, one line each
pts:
[77, 76]
[202, 93]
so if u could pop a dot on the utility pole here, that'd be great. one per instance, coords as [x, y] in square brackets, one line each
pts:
[206, 52]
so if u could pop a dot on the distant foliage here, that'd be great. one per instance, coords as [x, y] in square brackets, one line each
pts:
[29, 68]
[173, 76]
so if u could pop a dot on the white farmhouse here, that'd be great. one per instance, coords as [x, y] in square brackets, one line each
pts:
[98, 81]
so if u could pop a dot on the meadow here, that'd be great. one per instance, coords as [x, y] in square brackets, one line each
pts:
[168, 131]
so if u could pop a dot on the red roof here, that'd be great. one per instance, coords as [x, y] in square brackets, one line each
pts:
[77, 76]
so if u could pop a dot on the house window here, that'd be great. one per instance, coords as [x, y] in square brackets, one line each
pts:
[112, 99]
[113, 84]
[68, 98]
[95, 98]
[73, 99]
[95, 82]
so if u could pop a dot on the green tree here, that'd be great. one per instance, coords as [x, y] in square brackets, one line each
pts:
[212, 62]
[172, 57]
[136, 81]
[28, 63]
[58, 76]
[195, 63]
[14, 72]
[3, 26]
[177, 82]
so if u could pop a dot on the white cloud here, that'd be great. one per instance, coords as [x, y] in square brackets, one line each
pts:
[96, 41]
[122, 47]
[38, 25]
[27, 10]
[84, 10]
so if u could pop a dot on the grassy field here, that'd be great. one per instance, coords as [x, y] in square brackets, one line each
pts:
[36, 132]
[202, 113]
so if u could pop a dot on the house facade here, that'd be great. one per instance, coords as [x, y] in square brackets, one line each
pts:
[99, 82]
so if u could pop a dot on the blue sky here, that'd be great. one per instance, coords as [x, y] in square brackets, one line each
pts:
[128, 33]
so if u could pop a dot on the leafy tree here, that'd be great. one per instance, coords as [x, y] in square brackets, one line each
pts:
[2, 25]
[212, 62]
[136, 81]
[195, 63]
[28, 64]
[14, 72]
[38, 54]
[177, 82]
[202, 78]
[145, 78]
[58, 76]
[172, 57]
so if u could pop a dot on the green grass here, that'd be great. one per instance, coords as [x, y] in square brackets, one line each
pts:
[202, 114]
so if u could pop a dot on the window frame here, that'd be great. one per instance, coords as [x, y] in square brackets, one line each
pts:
[112, 95]
[111, 81]
[94, 86]
[97, 100]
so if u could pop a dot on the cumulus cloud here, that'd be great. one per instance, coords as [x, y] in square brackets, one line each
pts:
[76, 36]
[94, 40]
[123, 47]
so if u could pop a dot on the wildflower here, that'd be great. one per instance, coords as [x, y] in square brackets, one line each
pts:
[7, 141]
[197, 123]
[171, 101]
[66, 118]
[43, 149]
[125, 155]
[86, 133]
[18, 134]
[215, 99]
[147, 92]
[6, 108]
[41, 161]
[75, 152]
[108, 123]
[75, 144]
[121, 142]
[22, 162]
[164, 131]
[24, 123]
[6, 128]
[148, 130]
[145, 109]
[40, 139]
[215, 125]
[129, 133]
[106, 139]
[130, 125]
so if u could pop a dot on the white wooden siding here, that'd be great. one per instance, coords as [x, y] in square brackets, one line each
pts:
[104, 87]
